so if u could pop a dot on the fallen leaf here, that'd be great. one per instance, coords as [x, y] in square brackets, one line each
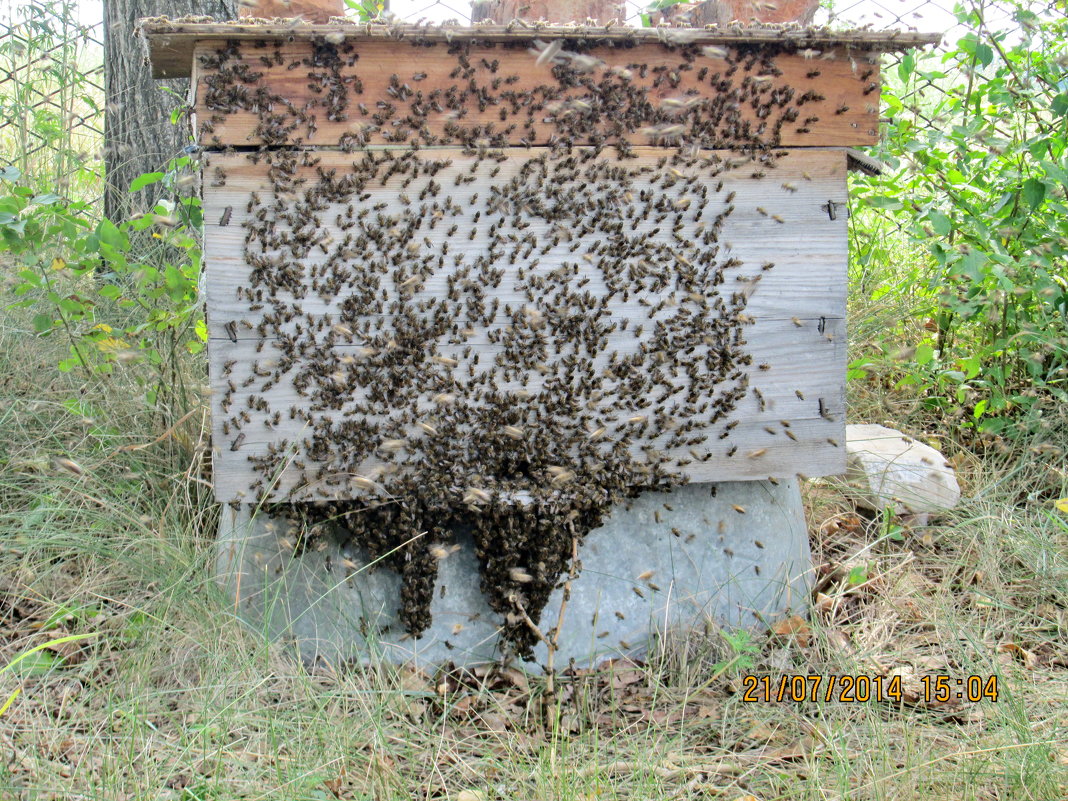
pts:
[800, 749]
[334, 786]
[795, 627]
[625, 678]
[824, 603]
[1030, 661]
[517, 678]
[839, 640]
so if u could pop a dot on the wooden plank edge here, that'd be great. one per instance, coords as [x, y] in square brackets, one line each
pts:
[171, 42]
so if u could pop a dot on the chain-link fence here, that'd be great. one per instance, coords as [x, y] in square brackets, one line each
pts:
[51, 73]
[52, 95]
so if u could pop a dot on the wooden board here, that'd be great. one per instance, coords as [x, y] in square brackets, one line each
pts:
[369, 91]
[791, 329]
[171, 42]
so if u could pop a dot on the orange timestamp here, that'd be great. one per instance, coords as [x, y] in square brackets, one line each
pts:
[861, 689]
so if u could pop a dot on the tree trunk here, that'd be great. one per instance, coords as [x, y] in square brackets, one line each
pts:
[138, 134]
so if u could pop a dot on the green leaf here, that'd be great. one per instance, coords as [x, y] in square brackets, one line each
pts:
[883, 202]
[145, 179]
[924, 353]
[1034, 192]
[1059, 106]
[941, 224]
[111, 236]
[36, 664]
[972, 264]
[30, 277]
[10, 173]
[42, 323]
[28, 656]
[858, 575]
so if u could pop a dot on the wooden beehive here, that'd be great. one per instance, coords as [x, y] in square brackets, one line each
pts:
[613, 249]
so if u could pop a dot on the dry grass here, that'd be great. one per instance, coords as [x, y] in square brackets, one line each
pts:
[172, 698]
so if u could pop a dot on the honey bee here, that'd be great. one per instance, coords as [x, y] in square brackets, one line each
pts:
[476, 495]
[519, 575]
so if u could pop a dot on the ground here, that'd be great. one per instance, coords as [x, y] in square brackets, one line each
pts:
[106, 528]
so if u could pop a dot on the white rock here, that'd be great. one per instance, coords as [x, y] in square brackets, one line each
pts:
[891, 470]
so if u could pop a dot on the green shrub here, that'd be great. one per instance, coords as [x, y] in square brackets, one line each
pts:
[121, 294]
[976, 143]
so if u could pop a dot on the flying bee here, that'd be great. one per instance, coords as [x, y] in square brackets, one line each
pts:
[427, 428]
[648, 574]
[547, 52]
[560, 475]
[225, 218]
[739, 509]
[513, 432]
[444, 398]
[519, 575]
[757, 453]
[797, 321]
[475, 495]
[445, 360]
[365, 483]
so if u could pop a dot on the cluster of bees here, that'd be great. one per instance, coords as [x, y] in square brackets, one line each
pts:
[506, 340]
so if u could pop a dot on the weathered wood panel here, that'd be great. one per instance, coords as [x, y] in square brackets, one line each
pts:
[367, 92]
[171, 42]
[551, 334]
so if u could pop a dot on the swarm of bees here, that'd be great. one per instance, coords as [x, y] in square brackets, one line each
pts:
[450, 351]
